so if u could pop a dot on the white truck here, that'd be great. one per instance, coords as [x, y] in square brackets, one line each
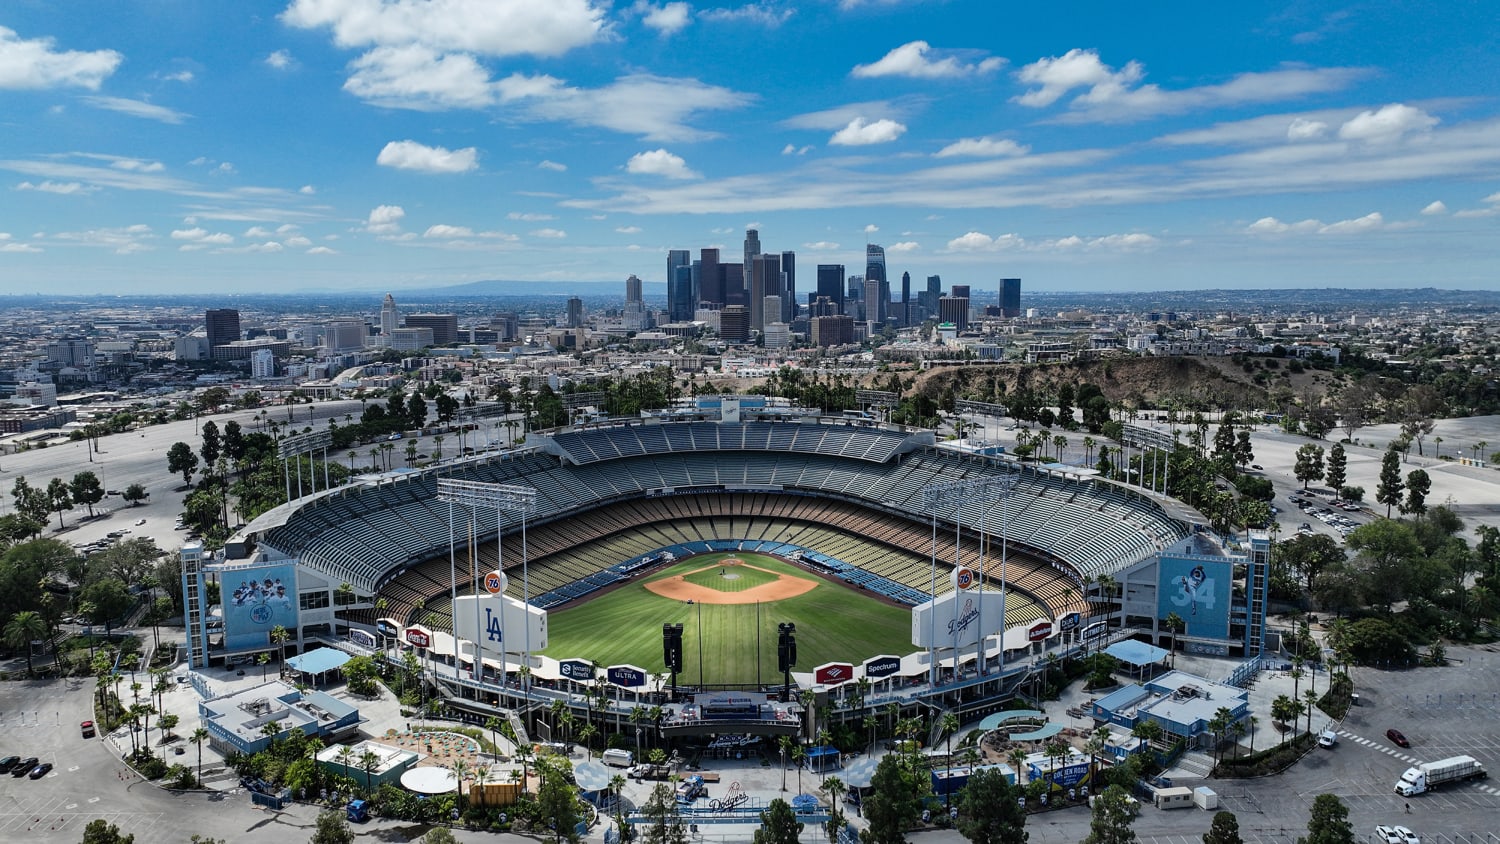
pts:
[1425, 776]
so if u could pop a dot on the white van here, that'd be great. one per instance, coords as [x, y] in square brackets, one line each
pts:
[1328, 738]
[619, 758]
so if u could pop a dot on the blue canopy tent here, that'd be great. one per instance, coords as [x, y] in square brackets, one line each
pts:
[316, 663]
[822, 758]
[1138, 655]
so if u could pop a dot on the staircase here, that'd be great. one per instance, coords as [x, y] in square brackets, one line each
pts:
[1192, 766]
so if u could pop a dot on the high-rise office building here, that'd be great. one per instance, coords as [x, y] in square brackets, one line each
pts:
[788, 286]
[906, 309]
[734, 324]
[878, 297]
[444, 326]
[506, 325]
[954, 309]
[752, 248]
[344, 335]
[222, 325]
[681, 299]
[765, 281]
[854, 297]
[633, 289]
[675, 306]
[835, 330]
[959, 291]
[390, 318]
[1010, 297]
[710, 279]
[575, 312]
[735, 292]
[831, 284]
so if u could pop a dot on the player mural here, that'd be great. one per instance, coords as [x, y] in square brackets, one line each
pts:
[256, 601]
[1197, 589]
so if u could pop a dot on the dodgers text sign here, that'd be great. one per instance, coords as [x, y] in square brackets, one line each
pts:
[500, 623]
[957, 619]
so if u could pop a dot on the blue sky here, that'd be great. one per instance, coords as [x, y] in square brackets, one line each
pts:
[189, 146]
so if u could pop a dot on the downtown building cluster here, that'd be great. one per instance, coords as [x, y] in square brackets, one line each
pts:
[759, 297]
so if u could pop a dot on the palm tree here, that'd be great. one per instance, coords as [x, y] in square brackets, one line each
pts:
[1312, 699]
[799, 756]
[481, 776]
[1253, 723]
[460, 769]
[1098, 740]
[492, 724]
[367, 763]
[835, 788]
[199, 736]
[437, 448]
[617, 785]
[346, 758]
[1017, 759]
[352, 454]
[1174, 623]
[24, 628]
[949, 724]
[785, 746]
[871, 722]
[280, 635]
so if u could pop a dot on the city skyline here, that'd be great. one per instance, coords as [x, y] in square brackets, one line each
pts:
[349, 145]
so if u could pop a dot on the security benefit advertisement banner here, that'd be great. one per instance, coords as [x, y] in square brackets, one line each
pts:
[500, 624]
[256, 601]
[1198, 591]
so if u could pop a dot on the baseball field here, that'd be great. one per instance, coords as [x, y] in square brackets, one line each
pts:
[721, 600]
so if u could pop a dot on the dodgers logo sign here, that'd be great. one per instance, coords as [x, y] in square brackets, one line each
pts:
[967, 617]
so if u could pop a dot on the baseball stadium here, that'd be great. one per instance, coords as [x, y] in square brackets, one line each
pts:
[789, 553]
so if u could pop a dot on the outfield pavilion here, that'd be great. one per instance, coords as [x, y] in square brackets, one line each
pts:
[613, 494]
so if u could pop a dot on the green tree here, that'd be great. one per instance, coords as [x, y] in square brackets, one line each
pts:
[134, 494]
[30, 501]
[778, 824]
[1338, 467]
[1309, 466]
[58, 499]
[558, 799]
[332, 828]
[110, 598]
[211, 447]
[1112, 815]
[180, 458]
[894, 802]
[1388, 491]
[664, 824]
[989, 810]
[86, 490]
[439, 835]
[1225, 830]
[1309, 555]
[1418, 485]
[1329, 823]
[1387, 553]
[416, 411]
[100, 831]
[21, 630]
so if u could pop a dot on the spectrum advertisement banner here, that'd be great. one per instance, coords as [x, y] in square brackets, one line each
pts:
[256, 601]
[1198, 591]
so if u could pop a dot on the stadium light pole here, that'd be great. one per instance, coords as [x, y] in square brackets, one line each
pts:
[935, 496]
[500, 498]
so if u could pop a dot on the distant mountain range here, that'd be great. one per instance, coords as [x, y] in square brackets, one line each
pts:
[497, 288]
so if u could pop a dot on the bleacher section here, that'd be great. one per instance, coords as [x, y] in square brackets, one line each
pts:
[830, 478]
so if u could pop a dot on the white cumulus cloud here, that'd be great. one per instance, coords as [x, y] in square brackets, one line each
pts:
[861, 132]
[550, 233]
[410, 155]
[904, 246]
[137, 108]
[628, 229]
[63, 188]
[659, 162]
[1303, 129]
[529, 216]
[987, 147]
[385, 219]
[666, 18]
[871, 228]
[35, 64]
[765, 13]
[1368, 222]
[821, 246]
[553, 166]
[1434, 209]
[917, 60]
[280, 60]
[448, 232]
[322, 250]
[1389, 123]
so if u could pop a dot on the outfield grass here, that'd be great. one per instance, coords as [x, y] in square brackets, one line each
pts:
[834, 624]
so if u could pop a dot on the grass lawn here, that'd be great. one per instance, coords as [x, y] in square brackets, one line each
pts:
[834, 624]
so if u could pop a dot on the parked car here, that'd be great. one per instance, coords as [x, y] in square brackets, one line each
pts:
[41, 770]
[87, 728]
[9, 763]
[1397, 738]
[24, 766]
[1396, 835]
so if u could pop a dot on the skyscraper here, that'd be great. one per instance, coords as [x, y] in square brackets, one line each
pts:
[831, 284]
[1010, 297]
[710, 279]
[960, 291]
[906, 299]
[390, 318]
[633, 289]
[675, 306]
[877, 287]
[734, 324]
[752, 248]
[222, 325]
[788, 286]
[575, 312]
[765, 280]
[444, 326]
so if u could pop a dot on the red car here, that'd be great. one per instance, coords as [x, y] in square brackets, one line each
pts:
[87, 728]
[1397, 738]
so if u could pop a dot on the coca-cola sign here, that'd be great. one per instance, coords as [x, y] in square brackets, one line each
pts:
[418, 638]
